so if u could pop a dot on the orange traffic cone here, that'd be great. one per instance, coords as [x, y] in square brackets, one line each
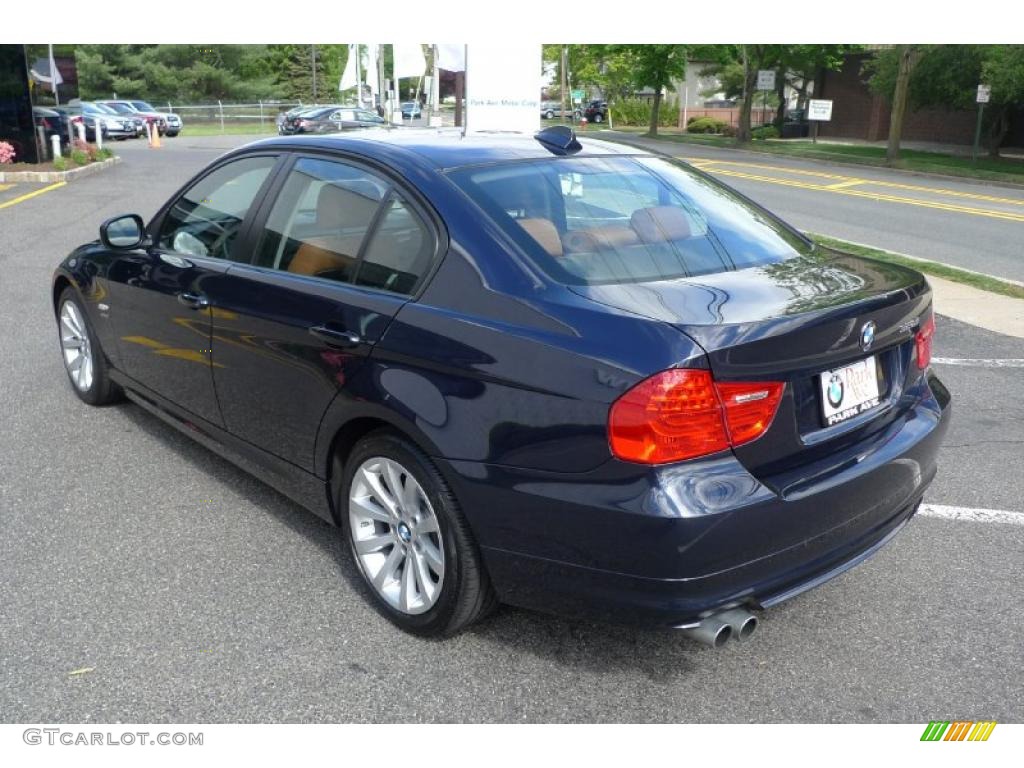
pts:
[156, 136]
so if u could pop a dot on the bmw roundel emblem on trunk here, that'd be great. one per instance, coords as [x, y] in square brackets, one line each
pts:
[867, 335]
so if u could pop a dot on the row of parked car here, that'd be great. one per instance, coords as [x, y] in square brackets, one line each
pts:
[114, 118]
[331, 118]
[596, 111]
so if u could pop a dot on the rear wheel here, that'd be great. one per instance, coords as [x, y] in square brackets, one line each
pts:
[410, 542]
[83, 357]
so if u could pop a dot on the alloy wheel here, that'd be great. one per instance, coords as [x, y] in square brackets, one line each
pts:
[74, 341]
[395, 535]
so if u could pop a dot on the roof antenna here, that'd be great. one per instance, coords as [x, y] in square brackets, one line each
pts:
[559, 140]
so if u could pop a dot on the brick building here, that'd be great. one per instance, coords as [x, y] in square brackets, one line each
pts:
[857, 113]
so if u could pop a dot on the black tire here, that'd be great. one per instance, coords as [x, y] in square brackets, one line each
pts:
[102, 391]
[598, 117]
[172, 134]
[549, 114]
[466, 592]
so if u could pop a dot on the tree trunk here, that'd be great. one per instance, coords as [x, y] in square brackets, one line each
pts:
[655, 109]
[749, 81]
[780, 92]
[899, 104]
[997, 131]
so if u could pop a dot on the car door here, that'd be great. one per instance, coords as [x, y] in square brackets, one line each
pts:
[158, 296]
[336, 252]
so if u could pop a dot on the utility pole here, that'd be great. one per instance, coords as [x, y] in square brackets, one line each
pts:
[565, 80]
[313, 50]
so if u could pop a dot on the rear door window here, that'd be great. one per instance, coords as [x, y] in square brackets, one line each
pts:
[609, 220]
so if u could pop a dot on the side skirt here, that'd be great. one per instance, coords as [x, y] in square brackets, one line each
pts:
[302, 487]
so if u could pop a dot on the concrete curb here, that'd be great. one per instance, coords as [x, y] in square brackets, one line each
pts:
[49, 177]
[817, 160]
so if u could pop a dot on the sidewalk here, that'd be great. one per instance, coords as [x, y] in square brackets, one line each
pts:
[990, 311]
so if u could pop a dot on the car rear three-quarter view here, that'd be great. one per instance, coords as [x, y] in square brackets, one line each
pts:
[566, 375]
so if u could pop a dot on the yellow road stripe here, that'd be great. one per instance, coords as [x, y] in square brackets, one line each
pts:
[30, 195]
[5, 187]
[850, 183]
[890, 184]
[1005, 215]
[988, 732]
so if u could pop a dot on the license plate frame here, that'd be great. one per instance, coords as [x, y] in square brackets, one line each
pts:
[849, 390]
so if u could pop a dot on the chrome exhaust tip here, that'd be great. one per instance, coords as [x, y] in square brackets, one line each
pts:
[712, 632]
[742, 622]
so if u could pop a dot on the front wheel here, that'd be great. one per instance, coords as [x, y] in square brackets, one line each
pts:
[410, 542]
[83, 357]
[598, 117]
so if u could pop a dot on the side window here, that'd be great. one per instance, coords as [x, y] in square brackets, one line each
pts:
[207, 219]
[399, 253]
[320, 219]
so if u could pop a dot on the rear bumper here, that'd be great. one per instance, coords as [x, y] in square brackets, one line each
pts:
[667, 546]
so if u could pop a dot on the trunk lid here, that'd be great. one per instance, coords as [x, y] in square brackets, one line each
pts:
[792, 321]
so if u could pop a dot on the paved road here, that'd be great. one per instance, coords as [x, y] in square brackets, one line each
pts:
[963, 223]
[197, 594]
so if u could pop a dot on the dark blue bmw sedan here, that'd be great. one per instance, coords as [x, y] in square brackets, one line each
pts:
[562, 374]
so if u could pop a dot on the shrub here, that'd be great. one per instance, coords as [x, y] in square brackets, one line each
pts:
[6, 152]
[729, 130]
[705, 125]
[104, 154]
[80, 157]
[638, 112]
[60, 164]
[89, 149]
[765, 132]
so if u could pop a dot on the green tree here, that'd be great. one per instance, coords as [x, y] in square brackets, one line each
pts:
[658, 67]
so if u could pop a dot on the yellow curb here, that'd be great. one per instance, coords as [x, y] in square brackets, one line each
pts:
[30, 195]
[991, 311]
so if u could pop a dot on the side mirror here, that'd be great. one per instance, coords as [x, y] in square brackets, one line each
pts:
[123, 232]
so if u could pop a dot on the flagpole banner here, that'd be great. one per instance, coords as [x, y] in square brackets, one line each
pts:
[451, 57]
[503, 87]
[409, 60]
[350, 78]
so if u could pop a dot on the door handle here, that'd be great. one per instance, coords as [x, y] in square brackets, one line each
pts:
[193, 300]
[335, 337]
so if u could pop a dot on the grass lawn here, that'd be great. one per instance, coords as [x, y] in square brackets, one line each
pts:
[1002, 169]
[983, 282]
[230, 129]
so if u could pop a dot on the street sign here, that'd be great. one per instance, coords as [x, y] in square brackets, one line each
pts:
[766, 79]
[578, 96]
[819, 109]
[984, 92]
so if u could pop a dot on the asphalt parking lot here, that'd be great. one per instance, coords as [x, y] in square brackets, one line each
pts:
[194, 593]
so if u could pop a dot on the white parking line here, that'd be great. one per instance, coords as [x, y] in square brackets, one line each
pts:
[981, 362]
[971, 515]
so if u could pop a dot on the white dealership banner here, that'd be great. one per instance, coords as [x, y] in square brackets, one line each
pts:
[503, 87]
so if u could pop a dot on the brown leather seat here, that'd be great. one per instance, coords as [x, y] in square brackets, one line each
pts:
[545, 233]
[598, 239]
[337, 209]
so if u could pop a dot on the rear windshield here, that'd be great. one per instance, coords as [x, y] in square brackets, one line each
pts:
[592, 221]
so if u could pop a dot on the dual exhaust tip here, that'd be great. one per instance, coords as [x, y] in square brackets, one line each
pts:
[716, 630]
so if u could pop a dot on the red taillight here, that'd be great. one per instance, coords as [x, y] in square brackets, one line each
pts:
[683, 413]
[923, 342]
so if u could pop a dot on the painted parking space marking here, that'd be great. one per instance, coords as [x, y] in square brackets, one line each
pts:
[981, 362]
[971, 514]
[32, 194]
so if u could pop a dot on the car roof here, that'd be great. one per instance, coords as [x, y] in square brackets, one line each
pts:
[444, 148]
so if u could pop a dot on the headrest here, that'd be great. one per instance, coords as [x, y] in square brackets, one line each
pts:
[339, 207]
[660, 224]
[545, 233]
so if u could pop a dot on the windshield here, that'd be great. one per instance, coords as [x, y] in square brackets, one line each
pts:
[121, 109]
[590, 221]
[143, 106]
